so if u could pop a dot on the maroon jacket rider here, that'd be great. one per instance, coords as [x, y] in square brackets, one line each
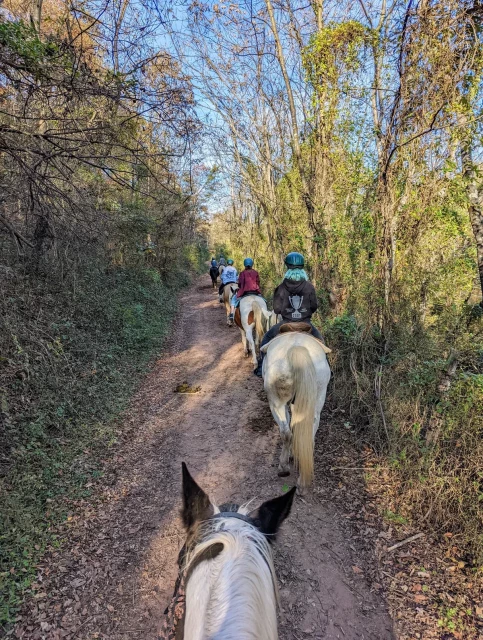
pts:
[248, 280]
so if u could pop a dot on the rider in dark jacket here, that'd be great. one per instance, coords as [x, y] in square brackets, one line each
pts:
[294, 299]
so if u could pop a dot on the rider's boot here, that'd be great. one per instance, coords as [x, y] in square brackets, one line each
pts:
[231, 316]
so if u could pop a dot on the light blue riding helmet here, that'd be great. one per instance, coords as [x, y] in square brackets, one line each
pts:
[248, 262]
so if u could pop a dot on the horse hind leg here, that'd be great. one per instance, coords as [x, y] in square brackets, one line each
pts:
[244, 343]
[282, 418]
[251, 344]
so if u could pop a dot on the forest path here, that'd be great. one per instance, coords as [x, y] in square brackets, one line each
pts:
[115, 573]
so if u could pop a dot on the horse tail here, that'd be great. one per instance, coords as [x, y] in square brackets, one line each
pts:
[258, 318]
[303, 411]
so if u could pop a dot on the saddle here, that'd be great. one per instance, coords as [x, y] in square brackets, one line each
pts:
[296, 327]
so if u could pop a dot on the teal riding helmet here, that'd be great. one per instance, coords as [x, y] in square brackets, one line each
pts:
[230, 262]
[248, 262]
[294, 260]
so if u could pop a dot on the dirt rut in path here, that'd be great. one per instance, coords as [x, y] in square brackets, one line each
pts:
[116, 571]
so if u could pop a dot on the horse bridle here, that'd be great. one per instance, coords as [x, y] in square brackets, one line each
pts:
[232, 514]
[173, 626]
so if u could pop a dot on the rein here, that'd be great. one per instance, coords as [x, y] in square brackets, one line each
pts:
[173, 625]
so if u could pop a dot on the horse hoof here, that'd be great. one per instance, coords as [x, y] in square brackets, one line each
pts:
[301, 491]
[283, 474]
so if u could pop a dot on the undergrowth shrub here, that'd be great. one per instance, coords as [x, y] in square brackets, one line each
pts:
[418, 402]
[71, 351]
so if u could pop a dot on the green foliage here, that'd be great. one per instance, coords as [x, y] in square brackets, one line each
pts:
[333, 50]
[23, 42]
[69, 363]
[434, 454]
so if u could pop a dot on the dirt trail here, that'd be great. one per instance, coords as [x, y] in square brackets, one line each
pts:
[116, 571]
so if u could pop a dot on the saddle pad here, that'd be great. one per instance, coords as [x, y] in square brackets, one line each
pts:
[296, 327]
[265, 347]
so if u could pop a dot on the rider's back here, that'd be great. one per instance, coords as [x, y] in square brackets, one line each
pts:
[229, 275]
[295, 301]
[248, 280]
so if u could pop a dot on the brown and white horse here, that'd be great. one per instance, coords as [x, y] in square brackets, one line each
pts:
[253, 319]
[227, 586]
[229, 291]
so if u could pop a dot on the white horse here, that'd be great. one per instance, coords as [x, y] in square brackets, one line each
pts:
[252, 322]
[226, 569]
[229, 291]
[296, 374]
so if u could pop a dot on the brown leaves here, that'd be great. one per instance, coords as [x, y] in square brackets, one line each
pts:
[419, 598]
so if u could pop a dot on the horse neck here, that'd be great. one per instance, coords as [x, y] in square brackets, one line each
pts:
[232, 597]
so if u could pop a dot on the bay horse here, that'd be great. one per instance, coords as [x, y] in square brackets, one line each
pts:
[227, 587]
[253, 319]
[229, 291]
[214, 276]
[295, 376]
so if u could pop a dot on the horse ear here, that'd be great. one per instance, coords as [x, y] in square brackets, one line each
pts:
[272, 513]
[196, 504]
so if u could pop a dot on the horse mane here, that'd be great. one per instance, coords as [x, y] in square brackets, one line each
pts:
[237, 584]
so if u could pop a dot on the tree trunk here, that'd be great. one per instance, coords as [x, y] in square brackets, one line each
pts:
[474, 189]
[36, 15]
[306, 196]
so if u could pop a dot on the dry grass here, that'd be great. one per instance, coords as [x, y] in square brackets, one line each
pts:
[426, 427]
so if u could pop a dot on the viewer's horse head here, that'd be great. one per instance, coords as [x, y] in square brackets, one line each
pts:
[227, 575]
